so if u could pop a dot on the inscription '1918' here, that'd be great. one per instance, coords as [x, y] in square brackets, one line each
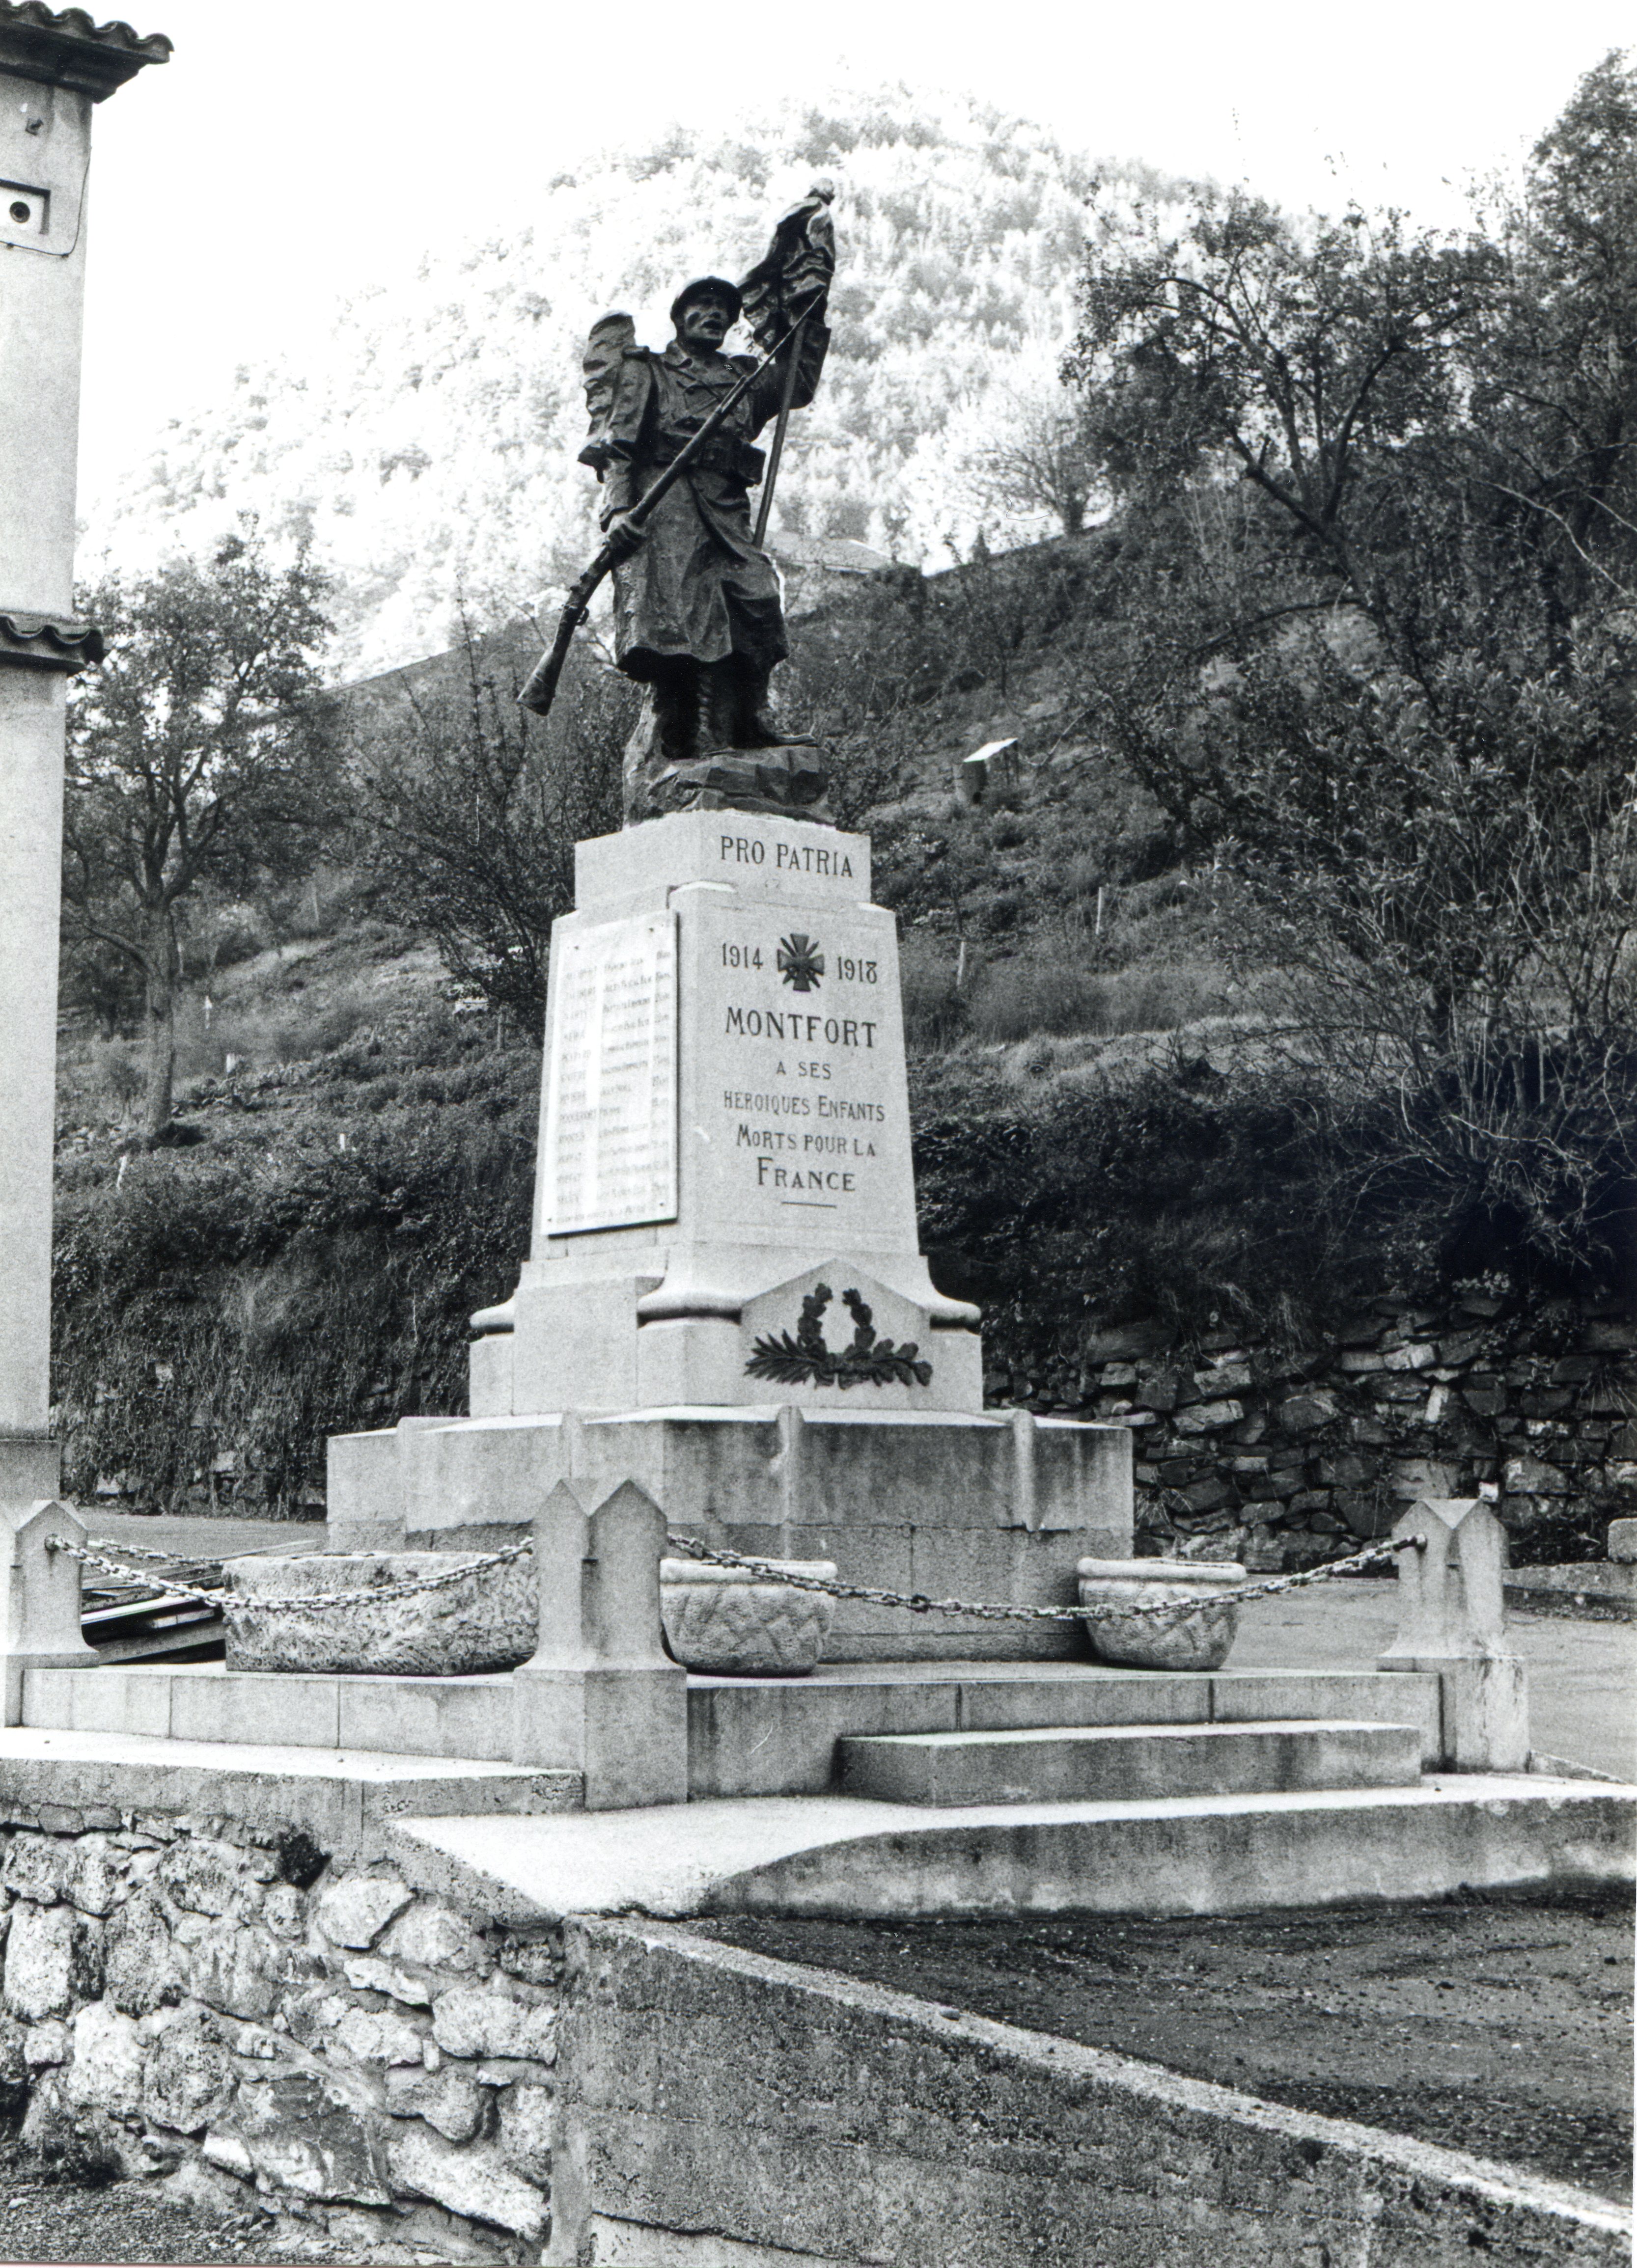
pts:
[794, 1024]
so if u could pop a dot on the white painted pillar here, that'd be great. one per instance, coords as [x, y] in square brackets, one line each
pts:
[52, 69]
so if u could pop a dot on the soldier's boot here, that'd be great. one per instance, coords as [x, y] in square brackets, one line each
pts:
[719, 705]
[741, 716]
[681, 728]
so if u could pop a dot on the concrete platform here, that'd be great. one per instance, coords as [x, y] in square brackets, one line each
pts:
[343, 1797]
[841, 1855]
[777, 1736]
[1128, 1762]
[202, 1535]
[1609, 1586]
[746, 1735]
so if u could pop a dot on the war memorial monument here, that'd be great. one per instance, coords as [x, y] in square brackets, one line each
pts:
[725, 1595]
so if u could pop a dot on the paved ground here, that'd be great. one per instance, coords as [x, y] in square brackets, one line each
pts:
[1582, 1675]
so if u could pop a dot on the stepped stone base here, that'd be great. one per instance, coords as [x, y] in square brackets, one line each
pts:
[746, 1735]
[983, 1507]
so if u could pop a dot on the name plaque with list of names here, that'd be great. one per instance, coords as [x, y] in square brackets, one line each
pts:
[609, 1149]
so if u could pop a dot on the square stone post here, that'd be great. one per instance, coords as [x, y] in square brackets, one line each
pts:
[40, 1617]
[601, 1696]
[1452, 1620]
[52, 69]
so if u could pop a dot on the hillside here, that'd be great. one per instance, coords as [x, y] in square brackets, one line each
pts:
[431, 456]
[1108, 1159]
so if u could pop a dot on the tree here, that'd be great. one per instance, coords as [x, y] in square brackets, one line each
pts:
[201, 750]
[1375, 648]
[1308, 360]
[1044, 458]
[470, 809]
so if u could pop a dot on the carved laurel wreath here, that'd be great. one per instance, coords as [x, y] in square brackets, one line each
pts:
[806, 1359]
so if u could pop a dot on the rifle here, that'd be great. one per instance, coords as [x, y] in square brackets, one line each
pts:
[538, 693]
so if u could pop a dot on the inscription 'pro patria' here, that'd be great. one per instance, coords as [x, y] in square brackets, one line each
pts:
[610, 1121]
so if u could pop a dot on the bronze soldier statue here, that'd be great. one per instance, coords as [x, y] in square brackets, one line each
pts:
[697, 617]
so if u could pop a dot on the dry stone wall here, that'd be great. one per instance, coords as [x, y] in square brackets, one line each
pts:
[226, 2014]
[1287, 1457]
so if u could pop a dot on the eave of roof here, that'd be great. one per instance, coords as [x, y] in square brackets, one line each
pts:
[33, 641]
[66, 47]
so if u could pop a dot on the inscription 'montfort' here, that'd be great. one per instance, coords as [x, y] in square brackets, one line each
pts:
[793, 1024]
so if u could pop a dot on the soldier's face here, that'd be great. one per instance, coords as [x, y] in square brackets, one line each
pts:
[705, 323]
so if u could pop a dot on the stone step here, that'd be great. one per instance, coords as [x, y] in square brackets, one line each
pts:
[746, 1735]
[345, 1800]
[1135, 1764]
[847, 1858]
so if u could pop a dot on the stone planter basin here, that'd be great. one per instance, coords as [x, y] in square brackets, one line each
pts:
[1200, 1640]
[488, 1621]
[731, 1622]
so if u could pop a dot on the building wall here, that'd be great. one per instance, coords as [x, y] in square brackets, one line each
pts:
[223, 2012]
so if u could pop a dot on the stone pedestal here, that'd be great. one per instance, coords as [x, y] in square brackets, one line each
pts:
[1452, 1620]
[38, 1598]
[996, 1506]
[726, 1300]
[600, 1696]
[725, 1133]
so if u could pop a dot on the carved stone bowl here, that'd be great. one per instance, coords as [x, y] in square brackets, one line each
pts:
[486, 1622]
[733, 1622]
[1199, 1641]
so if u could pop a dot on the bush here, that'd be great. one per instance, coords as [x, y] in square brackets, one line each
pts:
[1015, 999]
[934, 1010]
[268, 1287]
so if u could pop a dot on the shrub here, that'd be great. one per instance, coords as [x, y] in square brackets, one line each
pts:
[268, 1287]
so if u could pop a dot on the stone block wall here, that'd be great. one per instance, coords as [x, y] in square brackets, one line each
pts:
[223, 2012]
[787, 2114]
[1285, 1457]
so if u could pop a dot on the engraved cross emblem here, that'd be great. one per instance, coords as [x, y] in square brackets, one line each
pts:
[801, 961]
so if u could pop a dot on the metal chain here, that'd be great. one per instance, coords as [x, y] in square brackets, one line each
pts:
[141, 1551]
[916, 1602]
[233, 1605]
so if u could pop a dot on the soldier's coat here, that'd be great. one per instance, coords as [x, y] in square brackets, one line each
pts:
[698, 586]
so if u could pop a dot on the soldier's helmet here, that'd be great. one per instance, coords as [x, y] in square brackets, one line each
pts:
[707, 287]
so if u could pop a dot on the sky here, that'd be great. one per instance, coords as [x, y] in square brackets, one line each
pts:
[289, 156]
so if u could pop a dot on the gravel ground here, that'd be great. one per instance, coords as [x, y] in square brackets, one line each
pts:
[1497, 2026]
[54, 2219]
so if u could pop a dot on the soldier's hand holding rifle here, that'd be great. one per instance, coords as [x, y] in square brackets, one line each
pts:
[622, 537]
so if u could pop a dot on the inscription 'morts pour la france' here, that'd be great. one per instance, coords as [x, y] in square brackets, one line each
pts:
[610, 1132]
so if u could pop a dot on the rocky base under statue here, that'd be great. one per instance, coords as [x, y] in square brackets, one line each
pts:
[706, 739]
[789, 780]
